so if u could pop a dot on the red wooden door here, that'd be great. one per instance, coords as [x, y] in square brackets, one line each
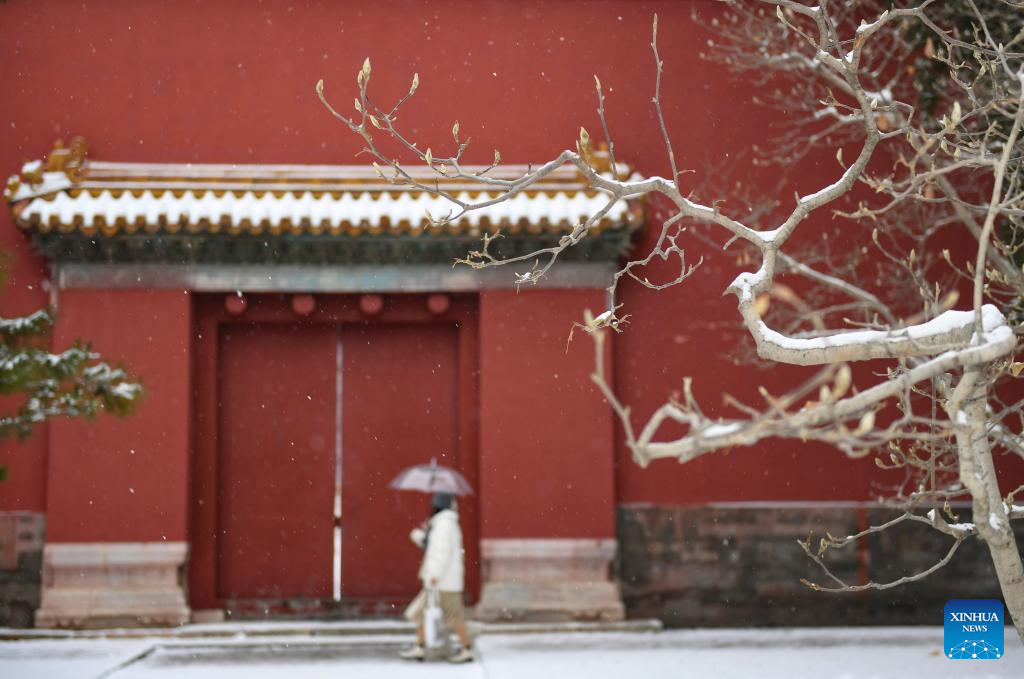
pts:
[398, 409]
[276, 474]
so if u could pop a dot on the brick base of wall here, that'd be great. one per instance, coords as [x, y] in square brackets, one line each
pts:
[731, 565]
[21, 562]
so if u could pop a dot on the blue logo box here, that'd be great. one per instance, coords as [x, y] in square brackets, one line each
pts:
[974, 629]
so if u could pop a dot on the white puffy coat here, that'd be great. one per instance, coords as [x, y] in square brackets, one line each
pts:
[443, 557]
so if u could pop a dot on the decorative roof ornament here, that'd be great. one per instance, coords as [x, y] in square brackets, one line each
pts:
[69, 161]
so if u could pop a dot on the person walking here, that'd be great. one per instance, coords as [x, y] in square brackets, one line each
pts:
[442, 569]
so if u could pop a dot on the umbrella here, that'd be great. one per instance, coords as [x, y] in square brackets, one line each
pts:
[432, 478]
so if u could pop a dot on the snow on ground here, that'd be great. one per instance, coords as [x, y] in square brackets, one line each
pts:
[889, 653]
[838, 653]
[72, 658]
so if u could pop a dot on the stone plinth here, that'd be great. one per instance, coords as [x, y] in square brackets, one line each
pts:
[118, 583]
[548, 580]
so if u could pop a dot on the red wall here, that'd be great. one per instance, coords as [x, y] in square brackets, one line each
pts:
[546, 453]
[232, 81]
[125, 480]
[25, 487]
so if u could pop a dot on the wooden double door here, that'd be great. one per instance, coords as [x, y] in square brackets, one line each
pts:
[313, 422]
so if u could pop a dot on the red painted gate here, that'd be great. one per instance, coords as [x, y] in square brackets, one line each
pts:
[277, 457]
[281, 457]
[398, 409]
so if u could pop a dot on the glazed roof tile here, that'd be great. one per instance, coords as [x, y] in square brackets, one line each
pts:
[69, 193]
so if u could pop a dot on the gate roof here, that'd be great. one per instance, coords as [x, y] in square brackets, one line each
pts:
[80, 209]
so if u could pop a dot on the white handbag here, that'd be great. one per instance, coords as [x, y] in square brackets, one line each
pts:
[433, 621]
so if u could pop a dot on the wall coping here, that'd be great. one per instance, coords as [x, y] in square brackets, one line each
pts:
[113, 553]
[548, 548]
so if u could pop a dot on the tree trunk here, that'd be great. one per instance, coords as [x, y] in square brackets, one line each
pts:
[977, 472]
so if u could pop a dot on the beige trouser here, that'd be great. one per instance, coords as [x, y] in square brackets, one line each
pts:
[453, 615]
[452, 612]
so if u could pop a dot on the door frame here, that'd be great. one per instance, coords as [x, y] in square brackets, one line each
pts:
[210, 313]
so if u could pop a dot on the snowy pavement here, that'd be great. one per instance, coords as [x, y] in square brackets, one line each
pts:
[834, 653]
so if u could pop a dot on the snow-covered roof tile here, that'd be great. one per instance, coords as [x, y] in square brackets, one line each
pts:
[68, 193]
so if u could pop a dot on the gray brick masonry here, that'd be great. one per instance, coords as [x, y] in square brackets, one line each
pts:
[734, 565]
[21, 558]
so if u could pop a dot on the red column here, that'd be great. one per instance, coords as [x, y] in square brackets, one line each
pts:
[547, 487]
[117, 490]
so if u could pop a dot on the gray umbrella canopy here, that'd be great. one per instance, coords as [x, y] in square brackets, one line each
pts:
[432, 478]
